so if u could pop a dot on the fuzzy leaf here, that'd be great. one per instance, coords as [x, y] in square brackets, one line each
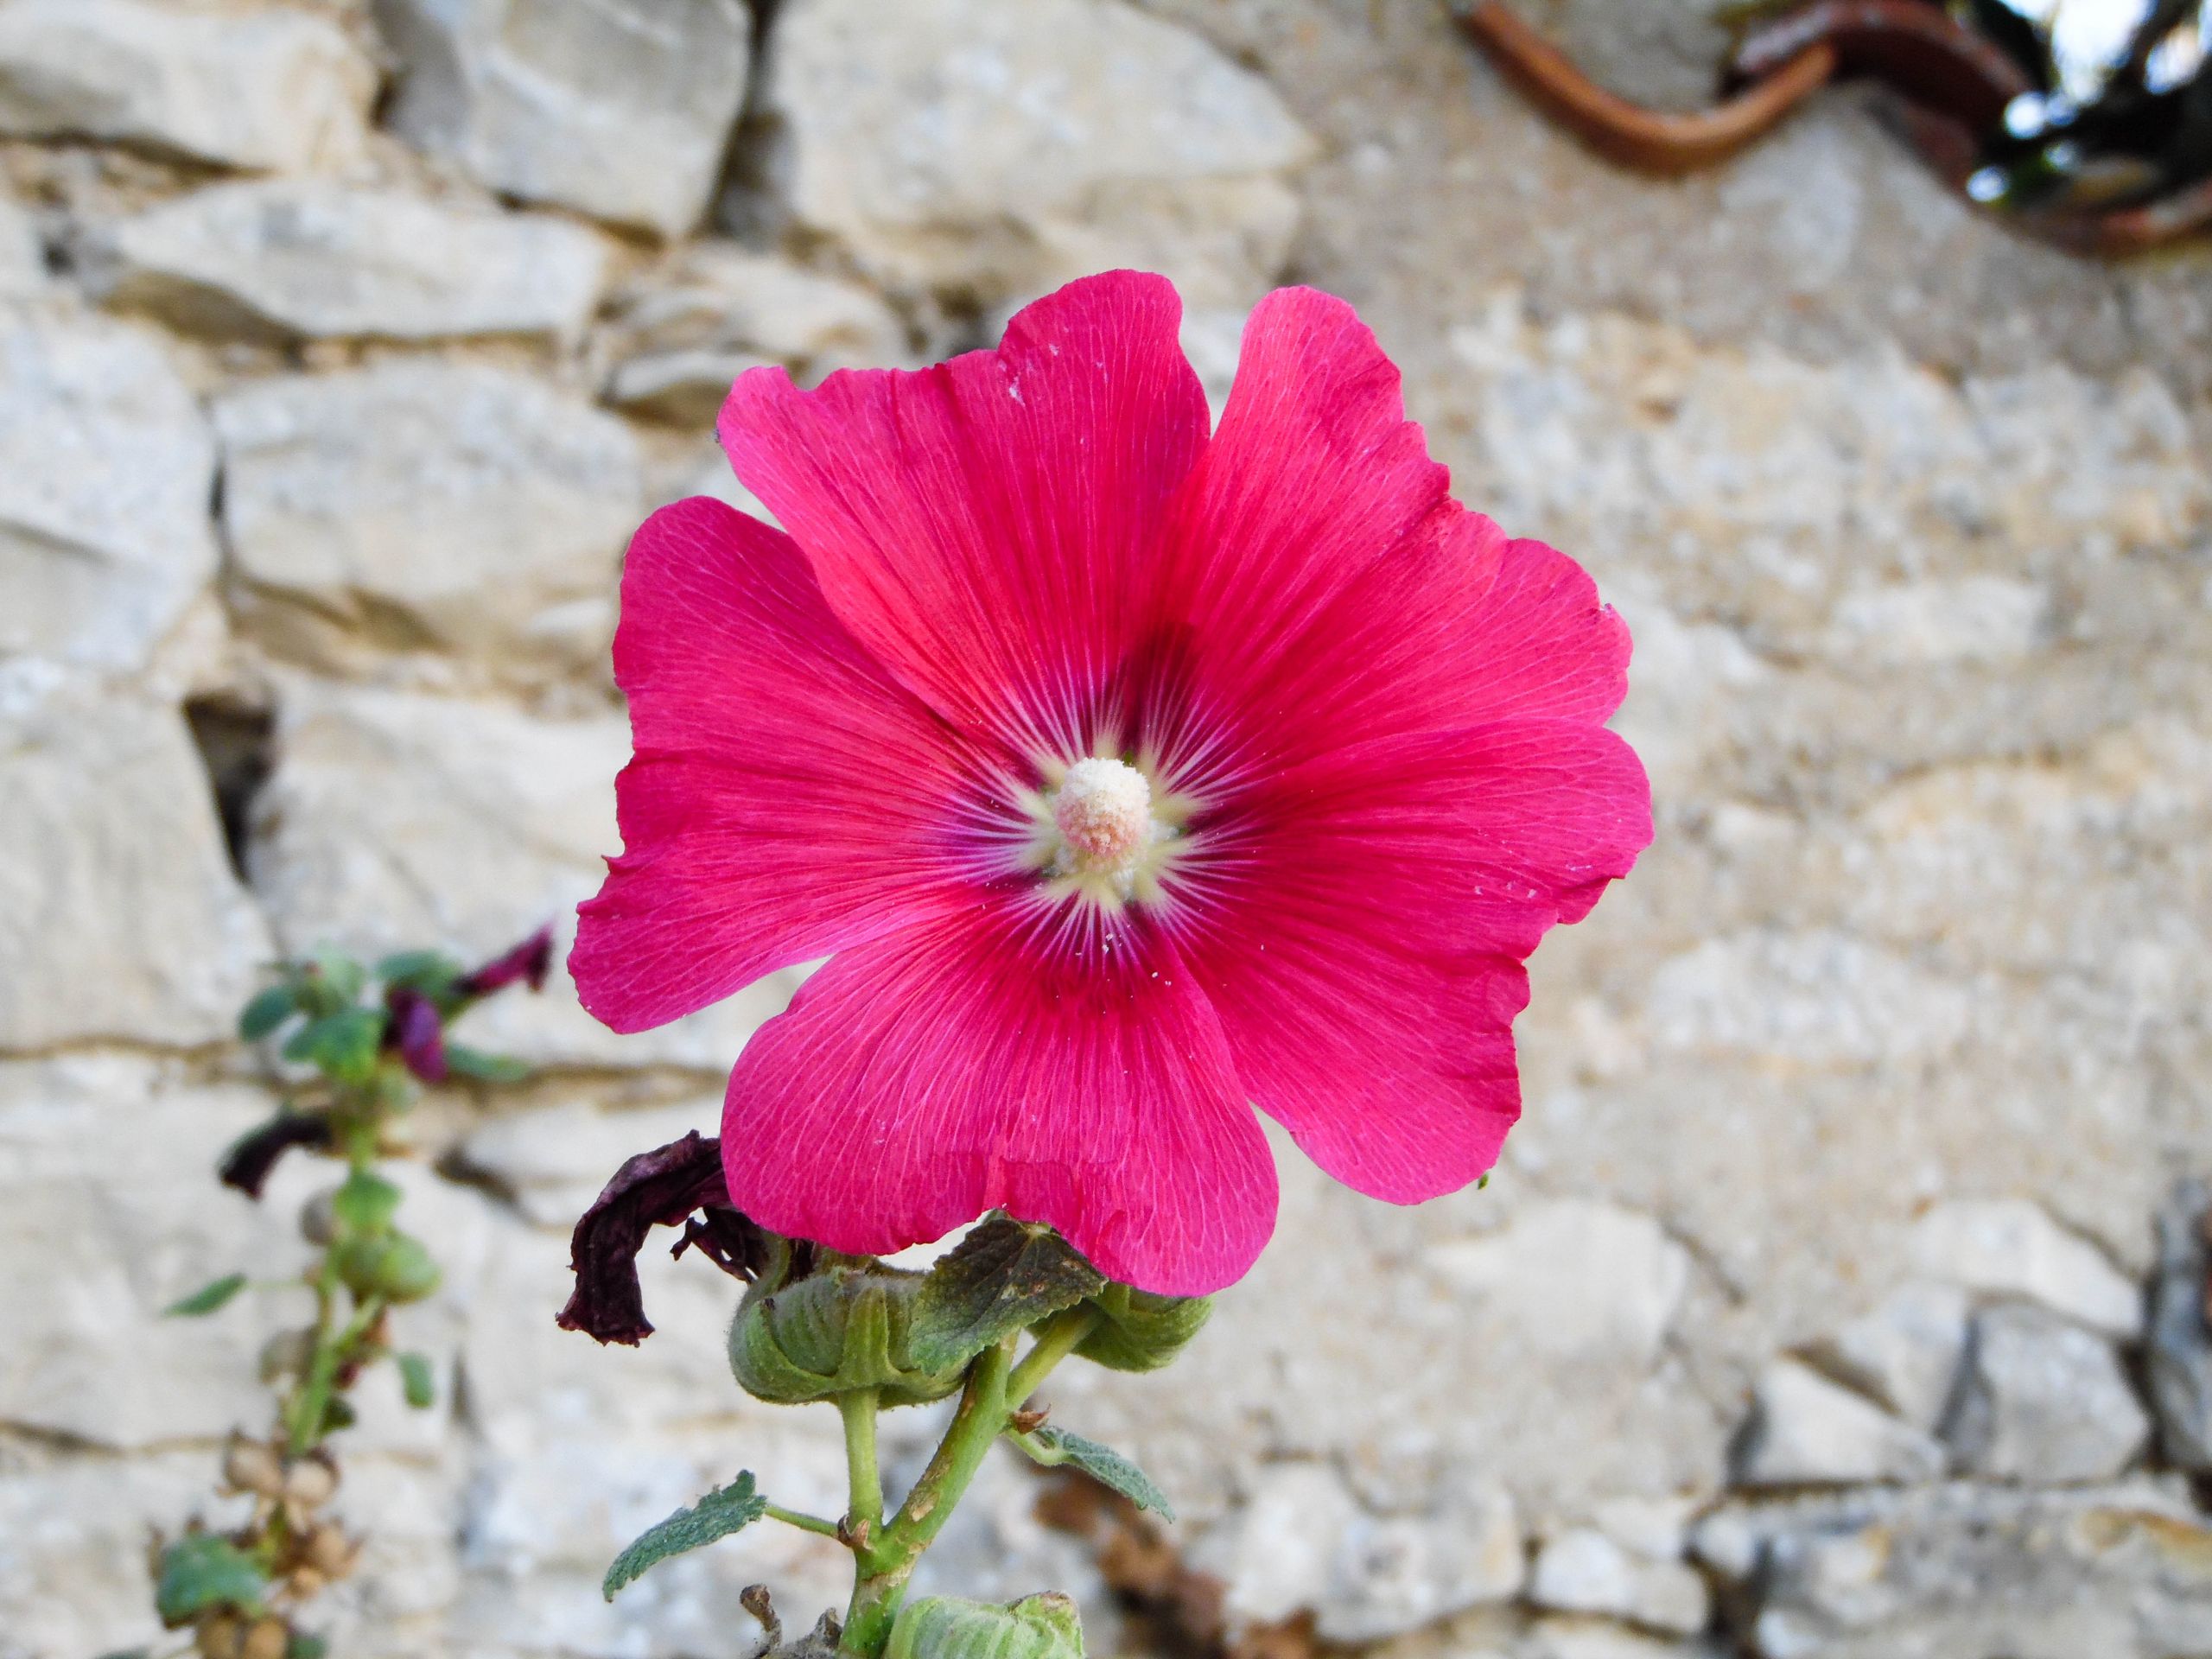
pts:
[727, 1509]
[1004, 1277]
[430, 972]
[417, 1381]
[331, 983]
[1054, 1447]
[267, 1010]
[463, 1062]
[203, 1571]
[303, 1646]
[207, 1299]
[344, 1044]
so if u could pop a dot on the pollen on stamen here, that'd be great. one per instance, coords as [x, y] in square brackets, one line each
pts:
[1104, 810]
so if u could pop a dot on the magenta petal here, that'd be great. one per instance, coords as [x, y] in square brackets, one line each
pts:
[988, 527]
[529, 960]
[788, 798]
[921, 1080]
[417, 1032]
[1364, 951]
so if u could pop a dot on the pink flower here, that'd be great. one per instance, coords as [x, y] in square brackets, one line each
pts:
[1128, 778]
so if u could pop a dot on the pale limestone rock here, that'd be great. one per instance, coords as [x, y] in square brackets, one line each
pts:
[455, 508]
[2042, 1400]
[119, 916]
[1572, 1638]
[2180, 1357]
[1001, 150]
[1904, 1353]
[1584, 1570]
[1818, 999]
[707, 472]
[106, 470]
[22, 256]
[280, 258]
[619, 109]
[681, 337]
[1967, 1571]
[2010, 1246]
[552, 1163]
[1806, 1430]
[279, 90]
[1302, 1542]
[395, 820]
[1973, 619]
[1575, 1278]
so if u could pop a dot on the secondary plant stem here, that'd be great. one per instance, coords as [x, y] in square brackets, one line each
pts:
[1059, 1337]
[802, 1520]
[864, 1483]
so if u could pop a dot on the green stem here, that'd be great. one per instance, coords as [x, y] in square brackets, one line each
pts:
[864, 1481]
[802, 1520]
[312, 1403]
[1060, 1337]
[884, 1567]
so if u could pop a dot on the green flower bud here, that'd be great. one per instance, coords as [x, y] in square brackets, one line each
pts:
[944, 1627]
[845, 1324]
[391, 1265]
[1141, 1331]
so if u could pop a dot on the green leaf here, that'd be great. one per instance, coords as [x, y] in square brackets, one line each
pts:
[203, 1571]
[343, 1045]
[269, 1009]
[207, 1299]
[464, 1062]
[338, 1414]
[330, 983]
[303, 1646]
[1005, 1277]
[431, 972]
[1054, 1447]
[415, 1378]
[729, 1508]
[366, 1202]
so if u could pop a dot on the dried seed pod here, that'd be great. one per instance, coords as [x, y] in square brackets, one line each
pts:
[250, 1466]
[310, 1482]
[218, 1636]
[269, 1639]
[330, 1552]
[305, 1583]
[319, 1217]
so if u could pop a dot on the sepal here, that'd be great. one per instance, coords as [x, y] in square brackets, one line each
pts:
[1141, 1332]
[1044, 1626]
[817, 1325]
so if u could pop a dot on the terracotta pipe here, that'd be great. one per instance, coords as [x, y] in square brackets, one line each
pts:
[1650, 141]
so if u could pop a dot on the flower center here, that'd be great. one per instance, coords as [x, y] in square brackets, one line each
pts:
[1102, 809]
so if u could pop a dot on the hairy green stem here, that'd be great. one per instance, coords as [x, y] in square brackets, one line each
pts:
[864, 1483]
[802, 1520]
[883, 1567]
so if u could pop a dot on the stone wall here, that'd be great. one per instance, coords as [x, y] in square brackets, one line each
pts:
[343, 344]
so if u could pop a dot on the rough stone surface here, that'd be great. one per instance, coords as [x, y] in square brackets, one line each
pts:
[22, 256]
[1584, 1570]
[1302, 1539]
[285, 259]
[394, 818]
[464, 510]
[1967, 1572]
[119, 917]
[1806, 1430]
[2042, 1400]
[619, 109]
[106, 469]
[281, 90]
[1000, 151]
[1904, 1353]
[680, 339]
[2013, 1248]
[2179, 1362]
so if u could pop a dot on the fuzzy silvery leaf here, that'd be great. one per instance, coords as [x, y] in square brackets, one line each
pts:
[202, 1572]
[207, 1299]
[1055, 1447]
[720, 1513]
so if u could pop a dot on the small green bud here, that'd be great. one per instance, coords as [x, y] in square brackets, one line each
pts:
[1141, 1331]
[391, 1265]
[946, 1627]
[846, 1325]
[366, 1204]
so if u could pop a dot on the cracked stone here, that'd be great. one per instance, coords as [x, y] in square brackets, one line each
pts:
[621, 108]
[2180, 1361]
[105, 472]
[1904, 1354]
[2042, 1398]
[458, 508]
[1806, 1430]
[2010, 1246]
[283, 259]
[277, 90]
[1584, 1570]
